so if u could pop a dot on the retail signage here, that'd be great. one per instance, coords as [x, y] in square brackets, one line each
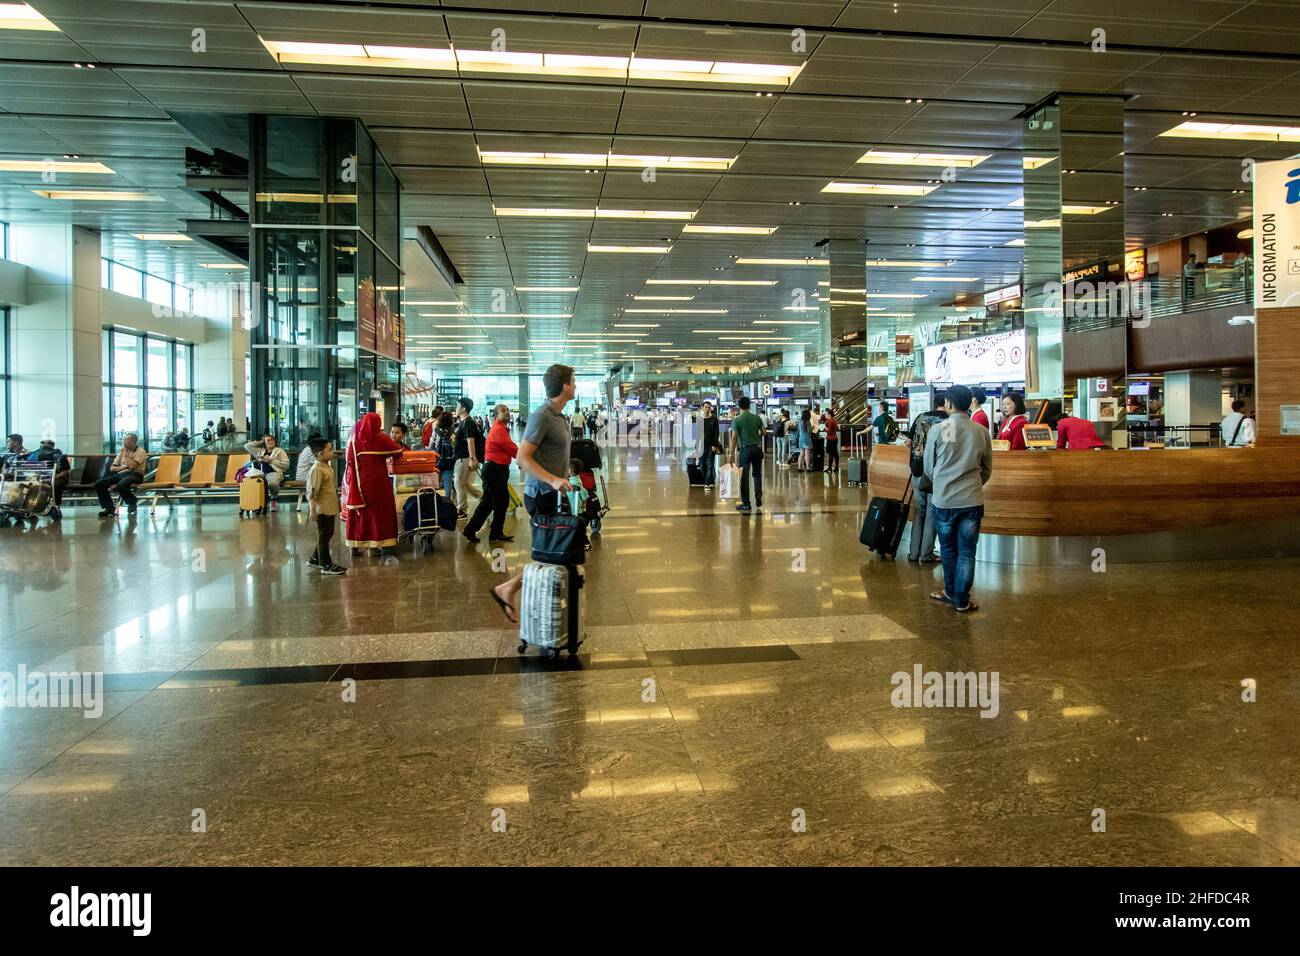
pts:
[1084, 273]
[998, 357]
[1135, 265]
[1002, 295]
[1277, 234]
[380, 328]
[903, 344]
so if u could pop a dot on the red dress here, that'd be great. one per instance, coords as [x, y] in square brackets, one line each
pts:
[368, 498]
[980, 419]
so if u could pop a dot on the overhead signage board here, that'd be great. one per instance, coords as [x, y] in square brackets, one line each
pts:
[999, 357]
[1277, 234]
[1002, 295]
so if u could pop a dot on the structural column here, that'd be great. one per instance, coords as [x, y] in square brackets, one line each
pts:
[845, 305]
[57, 386]
[1074, 228]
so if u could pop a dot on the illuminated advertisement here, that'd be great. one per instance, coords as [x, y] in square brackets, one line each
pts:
[988, 358]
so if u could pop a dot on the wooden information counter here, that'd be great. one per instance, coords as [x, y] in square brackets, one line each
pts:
[1107, 492]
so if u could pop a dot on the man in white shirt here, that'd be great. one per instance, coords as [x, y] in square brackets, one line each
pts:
[1237, 430]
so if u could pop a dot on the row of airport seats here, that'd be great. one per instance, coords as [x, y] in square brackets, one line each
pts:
[173, 477]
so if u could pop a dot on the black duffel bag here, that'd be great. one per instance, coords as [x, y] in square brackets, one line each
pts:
[560, 538]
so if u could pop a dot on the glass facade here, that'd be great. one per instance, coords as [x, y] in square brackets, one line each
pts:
[148, 388]
[4, 369]
[328, 337]
[125, 280]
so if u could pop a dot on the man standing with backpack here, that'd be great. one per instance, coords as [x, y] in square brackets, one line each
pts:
[469, 450]
[885, 426]
[923, 530]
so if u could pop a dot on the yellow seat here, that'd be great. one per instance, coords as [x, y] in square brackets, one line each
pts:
[167, 475]
[233, 464]
[203, 472]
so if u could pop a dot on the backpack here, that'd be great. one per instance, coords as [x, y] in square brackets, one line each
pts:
[921, 431]
[891, 431]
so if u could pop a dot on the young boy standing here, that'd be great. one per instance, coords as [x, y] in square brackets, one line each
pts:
[323, 505]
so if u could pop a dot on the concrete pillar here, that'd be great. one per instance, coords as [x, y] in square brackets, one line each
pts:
[1193, 398]
[57, 385]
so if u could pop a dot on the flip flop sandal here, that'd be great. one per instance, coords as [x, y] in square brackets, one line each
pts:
[940, 596]
[506, 609]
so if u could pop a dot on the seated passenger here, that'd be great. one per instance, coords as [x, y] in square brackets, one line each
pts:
[1013, 422]
[1076, 434]
[14, 450]
[126, 471]
[62, 472]
[305, 459]
[268, 453]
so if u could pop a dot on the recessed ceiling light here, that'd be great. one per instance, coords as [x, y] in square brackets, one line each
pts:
[662, 298]
[162, 237]
[733, 230]
[426, 302]
[223, 265]
[676, 311]
[945, 279]
[546, 288]
[602, 160]
[53, 165]
[877, 189]
[20, 16]
[97, 195]
[883, 157]
[1037, 162]
[656, 250]
[1243, 131]
[782, 262]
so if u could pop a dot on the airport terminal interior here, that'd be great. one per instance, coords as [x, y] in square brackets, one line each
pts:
[236, 233]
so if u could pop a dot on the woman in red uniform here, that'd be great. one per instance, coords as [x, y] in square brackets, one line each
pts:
[1013, 422]
[368, 500]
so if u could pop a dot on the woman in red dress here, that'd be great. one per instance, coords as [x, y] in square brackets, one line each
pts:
[368, 499]
[1013, 422]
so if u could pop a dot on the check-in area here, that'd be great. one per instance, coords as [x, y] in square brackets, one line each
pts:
[606, 433]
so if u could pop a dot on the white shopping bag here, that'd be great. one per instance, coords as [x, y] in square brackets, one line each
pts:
[729, 482]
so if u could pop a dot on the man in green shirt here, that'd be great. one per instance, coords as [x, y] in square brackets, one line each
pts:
[885, 426]
[747, 451]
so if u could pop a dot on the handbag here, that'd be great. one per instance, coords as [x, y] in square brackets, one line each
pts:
[560, 538]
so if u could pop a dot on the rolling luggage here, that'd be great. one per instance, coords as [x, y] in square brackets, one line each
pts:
[818, 456]
[446, 512]
[882, 528]
[694, 473]
[585, 450]
[252, 494]
[420, 519]
[516, 502]
[416, 463]
[550, 608]
[856, 465]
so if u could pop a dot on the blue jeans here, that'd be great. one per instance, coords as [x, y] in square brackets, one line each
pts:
[958, 531]
[449, 481]
[751, 459]
[709, 466]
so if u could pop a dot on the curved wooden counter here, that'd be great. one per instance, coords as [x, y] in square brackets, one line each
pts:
[1044, 493]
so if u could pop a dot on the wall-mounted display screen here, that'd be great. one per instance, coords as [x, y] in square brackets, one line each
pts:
[1000, 356]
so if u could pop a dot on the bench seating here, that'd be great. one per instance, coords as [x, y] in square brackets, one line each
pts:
[173, 475]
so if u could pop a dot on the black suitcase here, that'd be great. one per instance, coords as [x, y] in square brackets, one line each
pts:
[882, 528]
[694, 473]
[818, 455]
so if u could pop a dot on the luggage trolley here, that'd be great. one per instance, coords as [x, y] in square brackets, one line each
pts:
[26, 490]
[417, 514]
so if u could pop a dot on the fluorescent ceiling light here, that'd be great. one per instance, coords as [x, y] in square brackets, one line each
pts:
[786, 322]
[162, 237]
[97, 195]
[945, 279]
[882, 157]
[1249, 131]
[733, 230]
[783, 262]
[663, 298]
[909, 263]
[223, 265]
[675, 311]
[480, 325]
[52, 165]
[801, 308]
[1036, 162]
[546, 288]
[765, 282]
[1246, 234]
[1014, 242]
[20, 16]
[636, 325]
[1042, 223]
[878, 189]
[897, 295]
[453, 302]
[1084, 210]
[644, 214]
[602, 160]
[657, 250]
[533, 63]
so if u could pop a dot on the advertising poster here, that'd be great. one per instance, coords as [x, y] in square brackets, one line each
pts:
[366, 327]
[1277, 234]
[988, 358]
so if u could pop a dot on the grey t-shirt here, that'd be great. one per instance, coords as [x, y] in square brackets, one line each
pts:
[550, 431]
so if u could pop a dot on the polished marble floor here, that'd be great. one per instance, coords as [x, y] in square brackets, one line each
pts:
[732, 704]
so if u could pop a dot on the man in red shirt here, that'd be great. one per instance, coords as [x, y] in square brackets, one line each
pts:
[1076, 434]
[978, 415]
[498, 451]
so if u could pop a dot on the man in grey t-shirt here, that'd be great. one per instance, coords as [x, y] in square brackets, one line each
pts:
[544, 460]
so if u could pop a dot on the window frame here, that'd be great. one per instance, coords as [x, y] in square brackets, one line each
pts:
[179, 352]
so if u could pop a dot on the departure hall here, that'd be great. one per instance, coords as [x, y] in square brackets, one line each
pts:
[649, 433]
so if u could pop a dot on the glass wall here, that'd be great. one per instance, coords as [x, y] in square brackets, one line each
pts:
[148, 389]
[125, 280]
[4, 369]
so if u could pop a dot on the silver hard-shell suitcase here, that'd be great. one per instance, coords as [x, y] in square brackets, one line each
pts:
[550, 608]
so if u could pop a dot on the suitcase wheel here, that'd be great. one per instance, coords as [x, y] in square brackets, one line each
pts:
[521, 648]
[552, 653]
